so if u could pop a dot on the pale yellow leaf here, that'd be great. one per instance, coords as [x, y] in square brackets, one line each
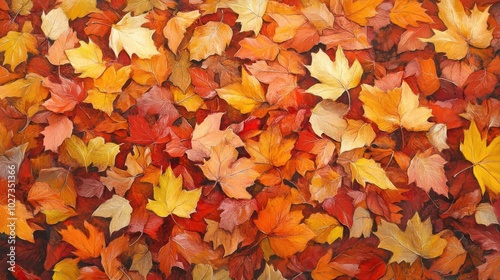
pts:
[87, 60]
[129, 35]
[250, 13]
[327, 117]
[211, 38]
[367, 170]
[55, 23]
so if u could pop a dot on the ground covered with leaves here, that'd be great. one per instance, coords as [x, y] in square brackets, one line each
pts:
[250, 139]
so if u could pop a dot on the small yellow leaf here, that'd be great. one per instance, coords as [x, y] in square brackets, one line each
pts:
[21, 7]
[360, 11]
[328, 117]
[87, 60]
[78, 8]
[367, 170]
[108, 87]
[55, 23]
[211, 38]
[327, 228]
[97, 152]
[357, 134]
[250, 13]
[66, 269]
[118, 209]
[128, 35]
[416, 241]
[27, 93]
[485, 215]
[188, 99]
[244, 96]
[171, 199]
[335, 77]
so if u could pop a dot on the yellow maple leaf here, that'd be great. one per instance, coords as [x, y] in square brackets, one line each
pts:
[408, 12]
[327, 228]
[154, 70]
[250, 13]
[171, 199]
[118, 209]
[17, 45]
[128, 35]
[395, 108]
[335, 77]
[87, 60]
[211, 38]
[27, 93]
[463, 30]
[66, 269]
[176, 28]
[416, 241]
[23, 230]
[187, 99]
[360, 10]
[357, 134]
[485, 158]
[319, 15]
[21, 7]
[141, 6]
[234, 175]
[107, 87]
[367, 170]
[97, 152]
[244, 96]
[78, 8]
[55, 23]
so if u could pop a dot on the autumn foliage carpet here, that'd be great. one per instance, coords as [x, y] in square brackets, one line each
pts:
[250, 139]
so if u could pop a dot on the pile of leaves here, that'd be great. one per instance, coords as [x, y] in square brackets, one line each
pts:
[251, 139]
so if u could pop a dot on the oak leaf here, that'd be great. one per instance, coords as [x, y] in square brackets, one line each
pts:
[244, 96]
[485, 158]
[427, 171]
[335, 77]
[367, 170]
[128, 35]
[171, 199]
[408, 12]
[234, 175]
[286, 234]
[416, 241]
[87, 60]
[17, 45]
[96, 152]
[118, 209]
[395, 108]
[250, 13]
[87, 246]
[211, 38]
[463, 30]
[176, 28]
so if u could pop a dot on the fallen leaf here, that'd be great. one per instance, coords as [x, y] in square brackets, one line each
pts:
[367, 170]
[362, 223]
[427, 171]
[408, 12]
[258, 48]
[77, 9]
[87, 60]
[66, 269]
[220, 237]
[141, 6]
[250, 13]
[244, 96]
[177, 26]
[211, 38]
[54, 23]
[87, 246]
[96, 152]
[270, 273]
[328, 117]
[60, 128]
[485, 214]
[118, 209]
[360, 10]
[17, 45]
[326, 228]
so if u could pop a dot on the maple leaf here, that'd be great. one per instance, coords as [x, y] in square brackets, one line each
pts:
[250, 13]
[176, 28]
[286, 234]
[327, 228]
[211, 38]
[61, 181]
[141, 6]
[271, 150]
[60, 128]
[151, 71]
[219, 236]
[244, 96]
[171, 199]
[87, 246]
[485, 158]
[17, 45]
[118, 209]
[327, 117]
[335, 77]
[55, 23]
[78, 8]
[360, 10]
[453, 256]
[128, 35]
[318, 14]
[427, 171]
[233, 175]
[395, 108]
[367, 170]
[107, 88]
[64, 96]
[66, 269]
[357, 134]
[24, 230]
[207, 134]
[87, 60]
[416, 241]
[408, 12]
[28, 93]
[96, 152]
[235, 212]
[463, 30]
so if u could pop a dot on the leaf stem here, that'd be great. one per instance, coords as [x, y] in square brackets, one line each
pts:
[468, 167]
